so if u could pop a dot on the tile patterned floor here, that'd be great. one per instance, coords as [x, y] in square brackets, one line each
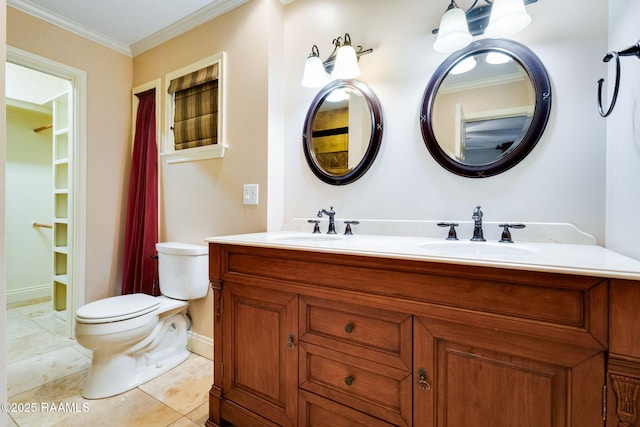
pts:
[46, 371]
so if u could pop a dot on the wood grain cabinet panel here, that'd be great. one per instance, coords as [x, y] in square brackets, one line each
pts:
[261, 362]
[316, 411]
[375, 389]
[487, 377]
[624, 359]
[380, 335]
[312, 339]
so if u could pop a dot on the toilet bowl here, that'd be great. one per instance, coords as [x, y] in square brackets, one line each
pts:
[134, 338]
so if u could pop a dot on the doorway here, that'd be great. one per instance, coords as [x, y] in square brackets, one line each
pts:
[68, 174]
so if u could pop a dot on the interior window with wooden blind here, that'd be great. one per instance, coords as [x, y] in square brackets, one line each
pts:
[194, 112]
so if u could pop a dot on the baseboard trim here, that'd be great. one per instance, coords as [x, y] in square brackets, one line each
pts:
[200, 345]
[26, 294]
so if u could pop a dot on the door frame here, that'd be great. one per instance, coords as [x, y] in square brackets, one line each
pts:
[78, 80]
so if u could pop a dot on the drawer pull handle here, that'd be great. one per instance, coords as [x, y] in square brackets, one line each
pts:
[290, 344]
[423, 382]
[348, 328]
[348, 380]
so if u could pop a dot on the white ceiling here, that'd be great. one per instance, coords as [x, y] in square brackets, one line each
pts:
[128, 26]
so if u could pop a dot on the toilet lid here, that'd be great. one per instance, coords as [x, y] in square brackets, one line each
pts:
[117, 308]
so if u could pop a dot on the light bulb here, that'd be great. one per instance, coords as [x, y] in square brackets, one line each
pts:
[346, 66]
[453, 33]
[314, 72]
[508, 17]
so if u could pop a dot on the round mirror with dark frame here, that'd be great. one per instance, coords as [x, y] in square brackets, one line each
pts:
[485, 108]
[342, 131]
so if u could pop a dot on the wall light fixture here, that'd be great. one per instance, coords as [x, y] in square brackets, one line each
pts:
[496, 19]
[341, 64]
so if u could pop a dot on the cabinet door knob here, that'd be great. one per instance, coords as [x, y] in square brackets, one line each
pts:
[423, 382]
[290, 344]
[348, 328]
[348, 380]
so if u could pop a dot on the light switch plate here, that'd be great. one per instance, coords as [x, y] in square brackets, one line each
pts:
[250, 194]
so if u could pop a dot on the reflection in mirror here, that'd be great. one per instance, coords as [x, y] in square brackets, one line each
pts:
[343, 130]
[485, 108]
[482, 112]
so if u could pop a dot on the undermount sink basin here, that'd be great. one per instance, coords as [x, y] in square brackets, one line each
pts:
[305, 237]
[476, 249]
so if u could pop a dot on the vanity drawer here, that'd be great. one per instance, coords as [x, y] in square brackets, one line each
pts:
[316, 411]
[378, 390]
[378, 335]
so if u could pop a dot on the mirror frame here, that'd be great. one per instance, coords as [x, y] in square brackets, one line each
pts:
[542, 89]
[374, 141]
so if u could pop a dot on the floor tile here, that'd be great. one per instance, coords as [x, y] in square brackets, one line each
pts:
[134, 408]
[185, 422]
[41, 369]
[46, 369]
[185, 387]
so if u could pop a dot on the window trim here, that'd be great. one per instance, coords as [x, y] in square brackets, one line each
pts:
[215, 151]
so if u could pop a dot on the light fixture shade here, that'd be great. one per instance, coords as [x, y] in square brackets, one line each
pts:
[346, 66]
[453, 33]
[508, 17]
[314, 73]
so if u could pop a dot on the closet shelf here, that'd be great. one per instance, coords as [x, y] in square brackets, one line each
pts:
[63, 279]
[61, 249]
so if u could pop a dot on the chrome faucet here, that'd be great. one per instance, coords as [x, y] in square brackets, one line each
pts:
[331, 214]
[477, 229]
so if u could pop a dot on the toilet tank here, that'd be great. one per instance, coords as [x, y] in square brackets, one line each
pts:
[183, 270]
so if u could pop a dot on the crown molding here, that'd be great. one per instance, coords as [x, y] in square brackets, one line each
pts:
[197, 18]
[185, 24]
[69, 25]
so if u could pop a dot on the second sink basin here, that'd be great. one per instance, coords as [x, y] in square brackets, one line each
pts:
[469, 249]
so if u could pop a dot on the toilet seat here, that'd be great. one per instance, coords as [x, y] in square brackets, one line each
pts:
[118, 308]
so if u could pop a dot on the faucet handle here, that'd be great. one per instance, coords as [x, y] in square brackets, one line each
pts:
[347, 230]
[506, 233]
[452, 229]
[316, 227]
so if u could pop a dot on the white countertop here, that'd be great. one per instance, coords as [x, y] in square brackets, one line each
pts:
[584, 258]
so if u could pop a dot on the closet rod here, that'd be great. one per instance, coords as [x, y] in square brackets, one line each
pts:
[41, 128]
[40, 225]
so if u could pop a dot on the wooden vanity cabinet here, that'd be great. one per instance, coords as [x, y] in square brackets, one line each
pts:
[318, 339]
[260, 353]
[623, 379]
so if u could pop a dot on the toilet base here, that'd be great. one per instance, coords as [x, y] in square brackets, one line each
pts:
[164, 349]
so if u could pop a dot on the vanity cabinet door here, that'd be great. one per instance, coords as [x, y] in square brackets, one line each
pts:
[260, 349]
[464, 375]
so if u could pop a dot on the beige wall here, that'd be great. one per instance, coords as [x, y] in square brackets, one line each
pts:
[204, 198]
[108, 138]
[189, 212]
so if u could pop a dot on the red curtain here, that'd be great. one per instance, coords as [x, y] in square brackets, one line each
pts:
[140, 266]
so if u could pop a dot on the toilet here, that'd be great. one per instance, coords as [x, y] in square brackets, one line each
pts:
[136, 337]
